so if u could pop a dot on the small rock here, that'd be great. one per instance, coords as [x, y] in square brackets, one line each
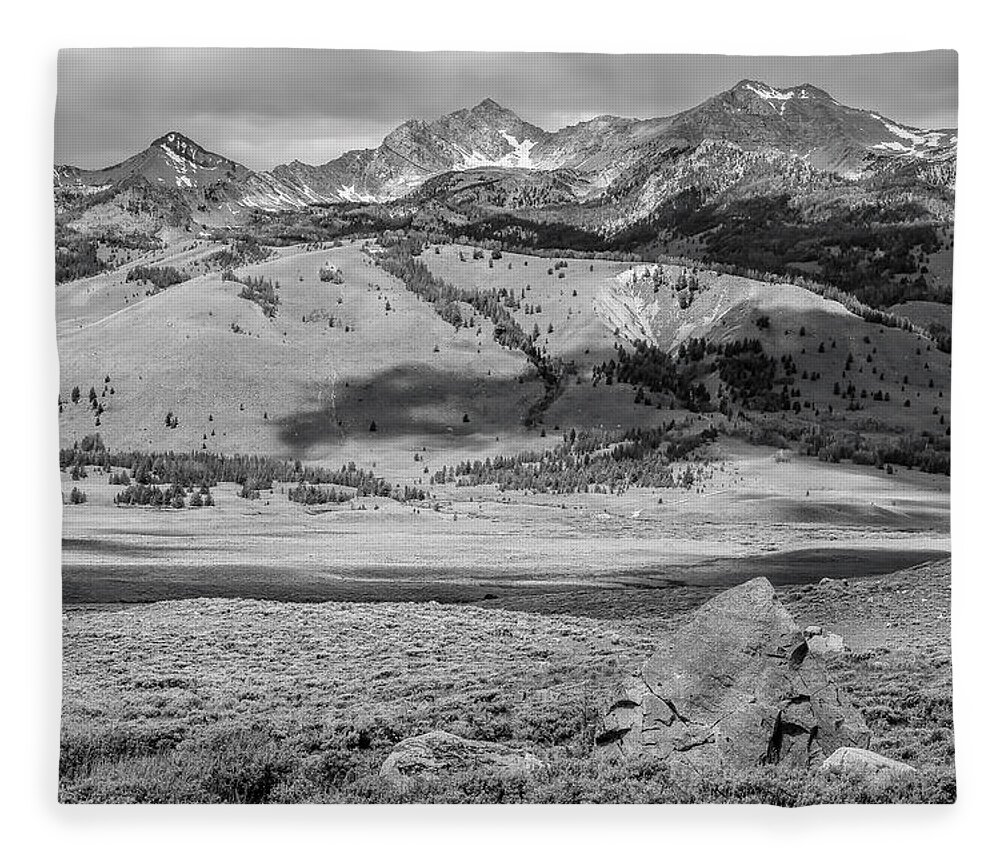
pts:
[877, 767]
[813, 630]
[831, 643]
[427, 756]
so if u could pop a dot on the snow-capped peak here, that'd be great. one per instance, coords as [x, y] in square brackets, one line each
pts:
[185, 158]
[179, 144]
[767, 92]
[776, 94]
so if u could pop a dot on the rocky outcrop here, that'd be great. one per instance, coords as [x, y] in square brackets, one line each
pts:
[736, 684]
[875, 767]
[428, 756]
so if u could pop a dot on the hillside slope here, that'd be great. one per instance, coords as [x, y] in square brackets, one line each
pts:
[331, 362]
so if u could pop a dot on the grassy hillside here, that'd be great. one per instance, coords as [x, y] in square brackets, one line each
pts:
[359, 367]
[593, 304]
[336, 358]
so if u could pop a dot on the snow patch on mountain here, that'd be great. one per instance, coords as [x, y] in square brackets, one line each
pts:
[521, 157]
[352, 195]
[916, 140]
[769, 93]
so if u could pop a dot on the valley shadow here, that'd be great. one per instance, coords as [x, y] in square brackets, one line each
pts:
[408, 401]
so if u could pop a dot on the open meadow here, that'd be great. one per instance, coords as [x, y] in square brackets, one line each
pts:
[238, 700]
[795, 521]
[263, 651]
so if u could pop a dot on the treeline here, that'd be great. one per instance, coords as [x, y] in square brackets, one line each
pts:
[160, 277]
[870, 251]
[400, 259]
[926, 451]
[242, 251]
[591, 461]
[208, 468]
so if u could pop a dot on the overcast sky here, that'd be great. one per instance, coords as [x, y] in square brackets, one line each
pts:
[263, 107]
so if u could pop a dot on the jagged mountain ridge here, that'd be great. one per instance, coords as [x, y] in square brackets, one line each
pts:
[804, 122]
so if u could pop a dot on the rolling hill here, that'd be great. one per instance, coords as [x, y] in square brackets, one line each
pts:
[366, 369]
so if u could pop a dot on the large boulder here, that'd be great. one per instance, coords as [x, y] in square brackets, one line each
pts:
[875, 767]
[428, 756]
[736, 685]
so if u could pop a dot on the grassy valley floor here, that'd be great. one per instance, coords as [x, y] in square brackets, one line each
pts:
[233, 700]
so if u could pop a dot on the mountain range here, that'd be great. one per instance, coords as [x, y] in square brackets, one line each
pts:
[803, 122]
[704, 183]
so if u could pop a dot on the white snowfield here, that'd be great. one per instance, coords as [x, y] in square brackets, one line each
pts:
[352, 195]
[917, 142]
[520, 157]
[782, 97]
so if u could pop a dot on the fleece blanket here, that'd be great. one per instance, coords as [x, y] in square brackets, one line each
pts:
[430, 435]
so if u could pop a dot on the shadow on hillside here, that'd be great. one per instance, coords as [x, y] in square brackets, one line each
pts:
[410, 401]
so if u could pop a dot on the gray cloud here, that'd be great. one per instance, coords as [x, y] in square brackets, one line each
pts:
[266, 106]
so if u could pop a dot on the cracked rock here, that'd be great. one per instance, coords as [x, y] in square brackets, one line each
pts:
[737, 684]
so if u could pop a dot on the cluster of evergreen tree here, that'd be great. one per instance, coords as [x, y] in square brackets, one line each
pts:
[242, 251]
[686, 288]
[312, 494]
[870, 251]
[651, 369]
[205, 469]
[208, 468]
[259, 290]
[174, 496]
[77, 496]
[928, 452]
[160, 277]
[749, 374]
[591, 461]
[331, 274]
[76, 255]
